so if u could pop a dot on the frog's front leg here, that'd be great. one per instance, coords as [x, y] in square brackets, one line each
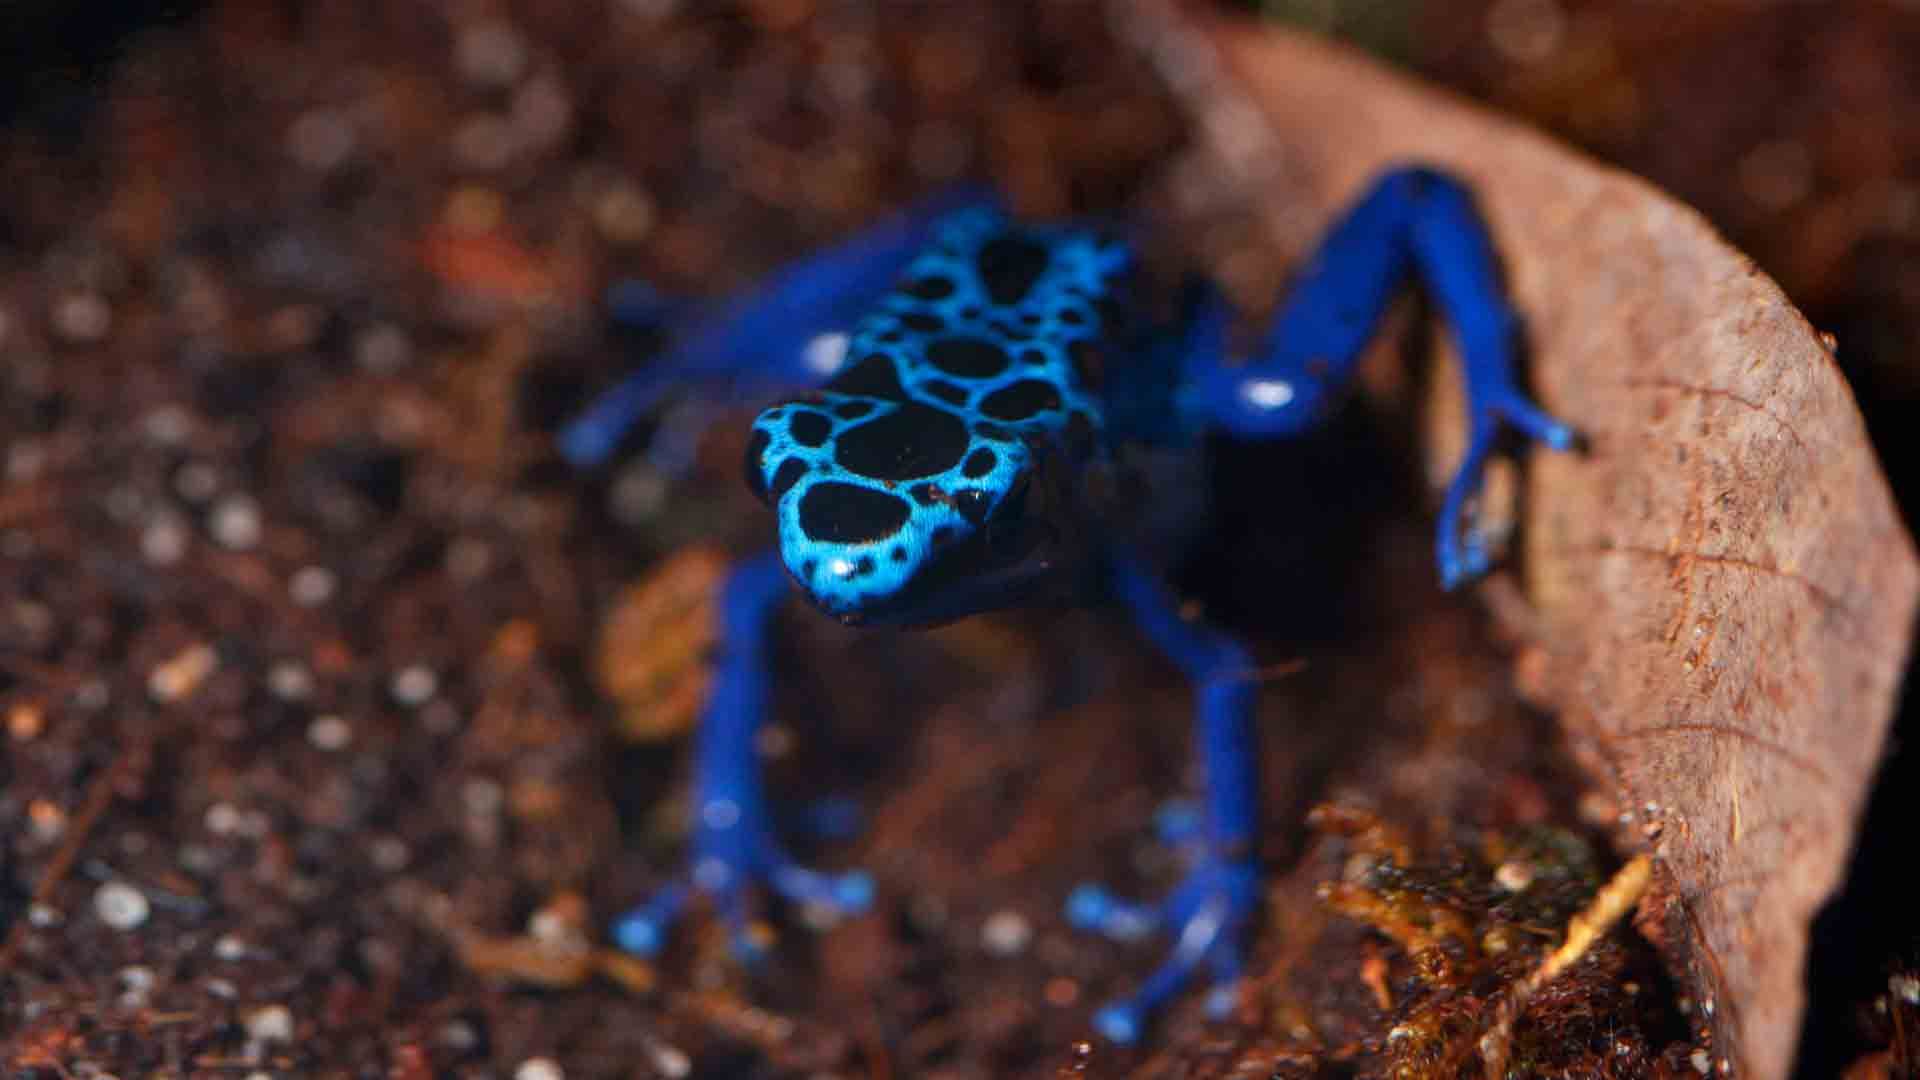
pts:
[1207, 912]
[1413, 219]
[734, 848]
[787, 334]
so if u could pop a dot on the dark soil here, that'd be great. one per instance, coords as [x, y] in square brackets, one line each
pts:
[316, 762]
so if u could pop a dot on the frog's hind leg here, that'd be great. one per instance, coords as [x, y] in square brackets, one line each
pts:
[733, 848]
[1413, 220]
[1208, 911]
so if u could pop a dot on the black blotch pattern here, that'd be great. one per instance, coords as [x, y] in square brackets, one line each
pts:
[810, 429]
[755, 463]
[945, 391]
[863, 567]
[871, 376]
[1035, 357]
[942, 535]
[847, 514]
[852, 410]
[1022, 400]
[1009, 264]
[910, 442]
[1073, 316]
[980, 463]
[973, 505]
[994, 432]
[968, 357]
[807, 568]
[929, 288]
[898, 554]
[921, 323]
[1085, 358]
[787, 475]
[892, 337]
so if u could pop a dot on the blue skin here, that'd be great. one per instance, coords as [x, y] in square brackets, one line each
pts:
[939, 469]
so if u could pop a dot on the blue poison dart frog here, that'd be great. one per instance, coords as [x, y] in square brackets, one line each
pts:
[966, 383]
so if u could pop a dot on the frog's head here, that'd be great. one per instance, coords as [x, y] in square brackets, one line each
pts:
[893, 511]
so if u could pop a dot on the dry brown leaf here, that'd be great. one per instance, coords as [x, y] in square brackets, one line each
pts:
[1721, 589]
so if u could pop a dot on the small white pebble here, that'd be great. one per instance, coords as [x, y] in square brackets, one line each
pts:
[120, 905]
[415, 685]
[389, 853]
[236, 523]
[1702, 1062]
[169, 425]
[229, 948]
[42, 916]
[1513, 876]
[164, 541]
[539, 1069]
[491, 52]
[459, 1036]
[329, 732]
[321, 140]
[672, 1061]
[136, 986]
[482, 796]
[382, 349]
[196, 481]
[221, 988]
[82, 318]
[25, 460]
[552, 928]
[290, 680]
[270, 1024]
[223, 819]
[1006, 933]
[311, 586]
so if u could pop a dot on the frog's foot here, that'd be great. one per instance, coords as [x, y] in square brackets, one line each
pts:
[1462, 549]
[726, 870]
[1206, 914]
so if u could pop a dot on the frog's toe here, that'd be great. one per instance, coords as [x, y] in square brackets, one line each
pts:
[1206, 914]
[849, 893]
[1536, 423]
[642, 930]
[1092, 908]
[727, 881]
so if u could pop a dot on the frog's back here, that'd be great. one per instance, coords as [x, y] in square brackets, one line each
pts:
[987, 349]
[997, 322]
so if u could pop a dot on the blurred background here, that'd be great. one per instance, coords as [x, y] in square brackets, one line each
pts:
[189, 191]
